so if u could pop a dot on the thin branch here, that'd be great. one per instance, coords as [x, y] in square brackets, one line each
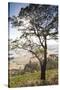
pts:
[32, 53]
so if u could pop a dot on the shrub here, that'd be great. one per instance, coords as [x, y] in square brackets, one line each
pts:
[52, 64]
[31, 67]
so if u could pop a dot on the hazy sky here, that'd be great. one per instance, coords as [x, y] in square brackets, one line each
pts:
[13, 10]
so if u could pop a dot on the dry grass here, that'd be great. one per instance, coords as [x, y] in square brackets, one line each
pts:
[33, 79]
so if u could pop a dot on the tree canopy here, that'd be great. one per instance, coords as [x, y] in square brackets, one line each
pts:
[37, 24]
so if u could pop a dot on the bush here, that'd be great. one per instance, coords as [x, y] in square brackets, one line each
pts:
[52, 64]
[31, 67]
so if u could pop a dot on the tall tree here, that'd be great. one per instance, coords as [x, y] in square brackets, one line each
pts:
[37, 23]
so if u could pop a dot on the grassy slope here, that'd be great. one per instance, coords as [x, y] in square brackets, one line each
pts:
[33, 79]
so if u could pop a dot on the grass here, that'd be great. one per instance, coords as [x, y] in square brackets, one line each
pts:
[33, 79]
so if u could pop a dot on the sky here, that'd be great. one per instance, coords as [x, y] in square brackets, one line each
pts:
[13, 10]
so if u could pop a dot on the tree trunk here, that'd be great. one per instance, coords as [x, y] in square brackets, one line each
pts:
[43, 66]
[43, 72]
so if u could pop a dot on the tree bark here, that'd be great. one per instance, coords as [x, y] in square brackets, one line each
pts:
[43, 72]
[43, 66]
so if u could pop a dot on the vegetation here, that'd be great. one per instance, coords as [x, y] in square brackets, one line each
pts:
[42, 25]
[52, 64]
[31, 67]
[33, 79]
